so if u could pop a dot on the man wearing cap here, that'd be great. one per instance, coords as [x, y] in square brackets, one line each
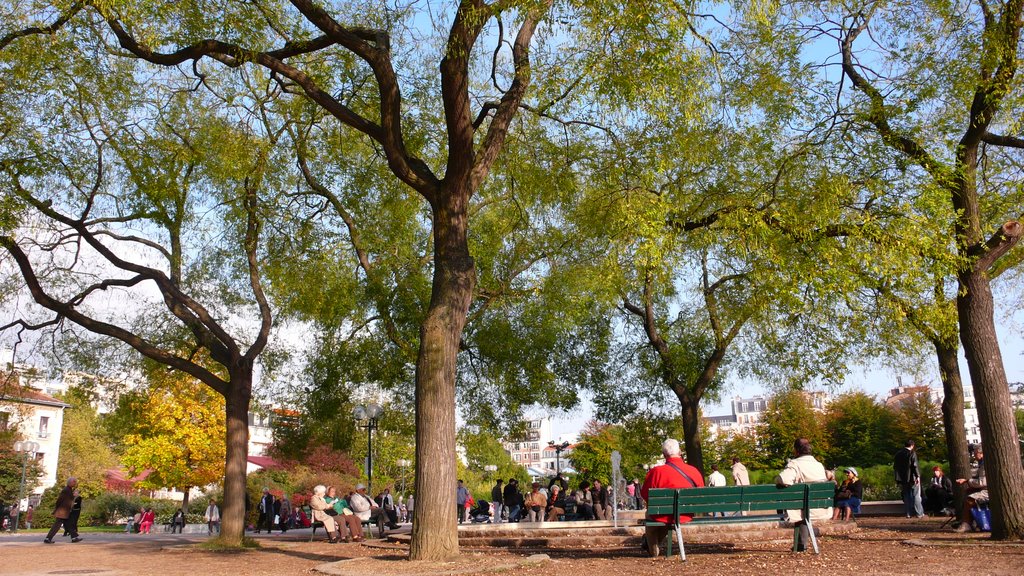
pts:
[366, 509]
[939, 493]
[848, 496]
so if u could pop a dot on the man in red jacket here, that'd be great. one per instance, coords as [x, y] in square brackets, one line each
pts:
[674, 473]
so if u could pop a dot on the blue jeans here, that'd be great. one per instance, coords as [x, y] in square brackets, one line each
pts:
[912, 499]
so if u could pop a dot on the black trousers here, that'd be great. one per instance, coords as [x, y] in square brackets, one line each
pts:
[57, 523]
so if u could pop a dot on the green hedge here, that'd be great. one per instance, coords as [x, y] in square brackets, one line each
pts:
[879, 482]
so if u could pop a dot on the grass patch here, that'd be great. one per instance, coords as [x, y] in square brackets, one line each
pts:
[218, 545]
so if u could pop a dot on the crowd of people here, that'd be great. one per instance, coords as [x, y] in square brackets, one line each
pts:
[551, 503]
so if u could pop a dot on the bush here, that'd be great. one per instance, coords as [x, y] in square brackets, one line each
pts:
[109, 508]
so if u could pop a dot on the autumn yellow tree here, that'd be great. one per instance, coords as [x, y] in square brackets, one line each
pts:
[175, 428]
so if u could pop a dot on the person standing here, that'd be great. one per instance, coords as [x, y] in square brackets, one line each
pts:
[740, 477]
[804, 469]
[908, 476]
[461, 495]
[29, 514]
[510, 498]
[410, 505]
[62, 511]
[716, 478]
[212, 517]
[266, 518]
[497, 496]
[387, 503]
[674, 473]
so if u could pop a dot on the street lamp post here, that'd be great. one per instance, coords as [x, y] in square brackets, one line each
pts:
[558, 454]
[368, 413]
[28, 448]
[405, 466]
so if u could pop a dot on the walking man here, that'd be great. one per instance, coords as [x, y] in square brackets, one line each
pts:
[908, 476]
[62, 512]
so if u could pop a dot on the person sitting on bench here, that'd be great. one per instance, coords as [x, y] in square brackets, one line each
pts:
[939, 494]
[674, 473]
[804, 468]
[979, 495]
[848, 496]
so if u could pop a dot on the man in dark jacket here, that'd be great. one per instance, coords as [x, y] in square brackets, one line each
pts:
[266, 518]
[62, 511]
[510, 498]
[908, 476]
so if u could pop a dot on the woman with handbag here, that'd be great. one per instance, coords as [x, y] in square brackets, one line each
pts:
[848, 496]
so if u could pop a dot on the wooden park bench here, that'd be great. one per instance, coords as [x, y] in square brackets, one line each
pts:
[739, 499]
[366, 525]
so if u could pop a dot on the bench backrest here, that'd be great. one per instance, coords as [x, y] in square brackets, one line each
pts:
[674, 501]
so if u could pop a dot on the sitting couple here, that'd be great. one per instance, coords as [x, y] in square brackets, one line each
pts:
[335, 513]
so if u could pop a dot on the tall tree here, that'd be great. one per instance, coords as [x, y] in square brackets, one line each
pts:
[85, 448]
[473, 143]
[175, 428]
[986, 94]
[790, 415]
[861, 431]
[125, 189]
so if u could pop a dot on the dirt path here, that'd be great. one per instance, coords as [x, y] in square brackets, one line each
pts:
[882, 546]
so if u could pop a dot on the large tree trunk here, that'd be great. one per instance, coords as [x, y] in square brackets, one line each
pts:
[691, 429]
[995, 411]
[953, 418]
[236, 406]
[434, 531]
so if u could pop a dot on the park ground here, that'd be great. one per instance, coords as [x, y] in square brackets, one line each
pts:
[880, 546]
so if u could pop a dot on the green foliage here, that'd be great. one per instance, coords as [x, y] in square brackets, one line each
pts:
[85, 449]
[175, 428]
[485, 449]
[592, 453]
[726, 446]
[920, 418]
[11, 465]
[861, 431]
[790, 416]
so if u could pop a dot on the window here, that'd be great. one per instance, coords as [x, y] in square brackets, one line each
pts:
[517, 446]
[536, 456]
[5, 420]
[515, 457]
[44, 426]
[535, 446]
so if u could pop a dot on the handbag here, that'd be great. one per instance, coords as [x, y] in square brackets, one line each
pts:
[982, 519]
[844, 495]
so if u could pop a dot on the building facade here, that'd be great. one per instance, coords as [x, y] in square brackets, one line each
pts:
[35, 417]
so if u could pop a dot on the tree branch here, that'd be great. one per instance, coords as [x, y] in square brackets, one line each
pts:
[52, 28]
[999, 243]
[998, 140]
[135, 341]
